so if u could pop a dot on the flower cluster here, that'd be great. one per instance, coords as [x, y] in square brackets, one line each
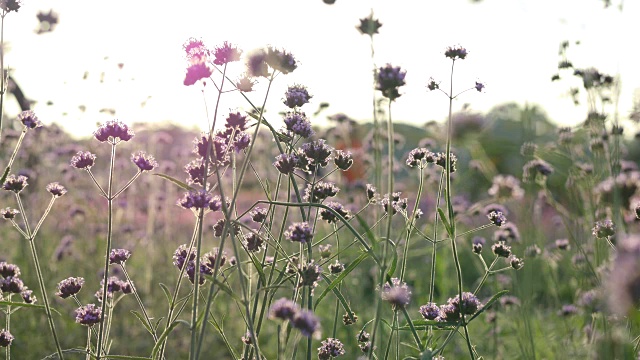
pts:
[113, 131]
[69, 287]
[397, 293]
[304, 320]
[389, 79]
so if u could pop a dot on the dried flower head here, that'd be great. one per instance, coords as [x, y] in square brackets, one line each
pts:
[369, 26]
[15, 183]
[29, 119]
[88, 315]
[56, 189]
[478, 242]
[433, 85]
[371, 192]
[113, 131]
[69, 287]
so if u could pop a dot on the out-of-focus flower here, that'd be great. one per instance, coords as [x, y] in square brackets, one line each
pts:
[456, 52]
[56, 189]
[226, 53]
[397, 294]
[296, 96]
[369, 25]
[119, 256]
[29, 119]
[88, 315]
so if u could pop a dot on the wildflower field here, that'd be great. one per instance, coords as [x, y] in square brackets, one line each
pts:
[269, 234]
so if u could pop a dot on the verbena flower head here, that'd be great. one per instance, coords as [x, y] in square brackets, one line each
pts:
[257, 65]
[6, 338]
[296, 96]
[330, 348]
[196, 170]
[430, 311]
[497, 218]
[363, 336]
[119, 256]
[318, 153]
[469, 304]
[245, 83]
[393, 203]
[280, 60]
[501, 249]
[12, 284]
[143, 161]
[389, 79]
[330, 217]
[371, 192]
[536, 167]
[432, 84]
[15, 183]
[336, 268]
[286, 163]
[310, 274]
[69, 287]
[563, 244]
[568, 310]
[29, 119]
[297, 123]
[515, 262]
[440, 159]
[418, 157]
[226, 53]
[209, 259]
[9, 213]
[83, 160]
[479, 86]
[56, 189]
[369, 26]
[343, 160]
[113, 131]
[195, 200]
[10, 5]
[219, 227]
[258, 215]
[283, 309]
[456, 52]
[508, 233]
[28, 297]
[195, 50]
[299, 232]
[397, 294]
[182, 255]
[241, 141]
[478, 243]
[88, 315]
[253, 242]
[325, 250]
[307, 322]
[604, 229]
[320, 191]
[9, 270]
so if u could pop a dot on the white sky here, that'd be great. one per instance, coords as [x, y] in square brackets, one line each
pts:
[513, 47]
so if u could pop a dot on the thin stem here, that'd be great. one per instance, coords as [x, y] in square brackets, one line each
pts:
[95, 181]
[7, 349]
[435, 235]
[105, 277]
[19, 143]
[88, 349]
[137, 296]
[44, 216]
[127, 184]
[2, 84]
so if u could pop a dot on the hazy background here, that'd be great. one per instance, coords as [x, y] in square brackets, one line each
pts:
[513, 47]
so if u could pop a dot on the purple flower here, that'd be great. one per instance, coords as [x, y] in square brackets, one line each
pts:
[69, 287]
[307, 322]
[604, 229]
[389, 79]
[433, 85]
[568, 310]
[501, 249]
[197, 72]
[195, 200]
[113, 131]
[478, 243]
[8, 270]
[209, 259]
[343, 160]
[329, 216]
[430, 311]
[119, 256]
[497, 218]
[286, 163]
[83, 160]
[336, 267]
[330, 348]
[181, 254]
[219, 227]
[236, 121]
[5, 338]
[242, 141]
[195, 50]
[257, 65]
[297, 123]
[469, 304]
[479, 86]
[56, 189]
[283, 309]
[296, 96]
[456, 52]
[563, 244]
[143, 161]
[15, 183]
[508, 233]
[258, 214]
[12, 284]
[88, 315]
[280, 60]
[310, 274]
[535, 167]
[397, 294]
[299, 232]
[9, 213]
[416, 157]
[253, 242]
[195, 169]
[28, 297]
[29, 119]
[226, 53]
[320, 191]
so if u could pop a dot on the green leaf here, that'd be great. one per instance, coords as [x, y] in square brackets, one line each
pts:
[394, 262]
[21, 304]
[176, 181]
[5, 174]
[341, 277]
[143, 321]
[445, 221]
[166, 292]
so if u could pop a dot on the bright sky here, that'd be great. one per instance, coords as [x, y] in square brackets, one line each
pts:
[513, 47]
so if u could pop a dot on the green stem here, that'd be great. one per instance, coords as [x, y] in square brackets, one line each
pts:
[105, 277]
[139, 300]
